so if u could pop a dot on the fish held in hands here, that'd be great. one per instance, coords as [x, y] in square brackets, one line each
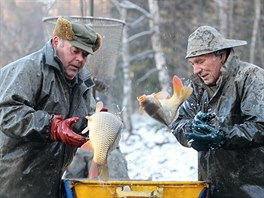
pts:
[104, 136]
[161, 106]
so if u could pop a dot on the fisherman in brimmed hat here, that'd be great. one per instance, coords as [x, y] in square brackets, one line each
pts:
[223, 119]
[43, 96]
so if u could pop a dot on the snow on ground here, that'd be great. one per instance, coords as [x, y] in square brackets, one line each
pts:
[153, 153]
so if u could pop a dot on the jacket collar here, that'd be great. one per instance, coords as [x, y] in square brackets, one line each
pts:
[50, 55]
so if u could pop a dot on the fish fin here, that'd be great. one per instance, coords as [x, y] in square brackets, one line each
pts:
[141, 110]
[186, 93]
[104, 173]
[87, 146]
[94, 170]
[86, 129]
[162, 95]
[99, 106]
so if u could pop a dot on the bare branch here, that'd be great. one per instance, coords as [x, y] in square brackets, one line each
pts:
[136, 36]
[130, 5]
[141, 55]
[146, 75]
[137, 21]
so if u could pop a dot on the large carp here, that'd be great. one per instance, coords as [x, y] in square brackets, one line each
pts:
[161, 106]
[104, 136]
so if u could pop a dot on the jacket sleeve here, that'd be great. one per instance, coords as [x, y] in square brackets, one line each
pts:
[183, 123]
[19, 86]
[249, 131]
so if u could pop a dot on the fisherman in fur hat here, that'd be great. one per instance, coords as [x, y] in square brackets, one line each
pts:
[223, 119]
[43, 96]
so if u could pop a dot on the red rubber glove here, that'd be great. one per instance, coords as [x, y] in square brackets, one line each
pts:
[104, 109]
[61, 131]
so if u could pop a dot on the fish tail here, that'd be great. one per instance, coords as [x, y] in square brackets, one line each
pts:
[177, 85]
[104, 173]
[94, 170]
[180, 91]
[187, 91]
[99, 106]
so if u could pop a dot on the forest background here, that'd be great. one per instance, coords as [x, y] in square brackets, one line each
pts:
[154, 40]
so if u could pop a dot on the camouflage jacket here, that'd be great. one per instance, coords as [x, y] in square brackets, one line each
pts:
[236, 170]
[33, 89]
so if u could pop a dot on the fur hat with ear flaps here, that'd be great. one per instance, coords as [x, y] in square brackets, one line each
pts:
[78, 34]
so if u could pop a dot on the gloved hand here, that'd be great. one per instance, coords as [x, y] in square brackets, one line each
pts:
[61, 131]
[203, 136]
[104, 109]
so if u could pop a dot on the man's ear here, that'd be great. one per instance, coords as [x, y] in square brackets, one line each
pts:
[223, 57]
[55, 41]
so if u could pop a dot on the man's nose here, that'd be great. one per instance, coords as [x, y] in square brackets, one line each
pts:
[196, 68]
[80, 57]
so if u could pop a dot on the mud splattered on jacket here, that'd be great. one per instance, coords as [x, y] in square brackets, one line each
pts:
[32, 90]
[237, 169]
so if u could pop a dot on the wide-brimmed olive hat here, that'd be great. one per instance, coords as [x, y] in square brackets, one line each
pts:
[206, 39]
[78, 34]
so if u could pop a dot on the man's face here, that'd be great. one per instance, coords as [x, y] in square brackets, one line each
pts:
[72, 58]
[207, 67]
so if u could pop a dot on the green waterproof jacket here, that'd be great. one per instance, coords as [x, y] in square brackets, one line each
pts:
[237, 169]
[32, 90]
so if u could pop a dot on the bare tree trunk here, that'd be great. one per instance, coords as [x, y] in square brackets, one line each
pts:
[223, 16]
[255, 30]
[230, 19]
[156, 45]
[127, 111]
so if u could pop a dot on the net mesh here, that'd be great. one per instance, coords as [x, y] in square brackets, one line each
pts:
[102, 64]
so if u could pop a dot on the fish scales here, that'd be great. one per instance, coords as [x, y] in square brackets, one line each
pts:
[104, 134]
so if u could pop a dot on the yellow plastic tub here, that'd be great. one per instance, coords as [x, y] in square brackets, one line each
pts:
[83, 188]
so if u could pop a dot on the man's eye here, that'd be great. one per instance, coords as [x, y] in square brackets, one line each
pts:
[200, 61]
[85, 54]
[73, 50]
[76, 51]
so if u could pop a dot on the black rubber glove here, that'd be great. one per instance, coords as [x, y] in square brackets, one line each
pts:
[80, 124]
[203, 136]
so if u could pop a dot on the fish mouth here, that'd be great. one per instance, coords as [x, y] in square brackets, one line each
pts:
[142, 98]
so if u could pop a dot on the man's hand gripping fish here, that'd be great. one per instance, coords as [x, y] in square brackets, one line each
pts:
[161, 106]
[104, 136]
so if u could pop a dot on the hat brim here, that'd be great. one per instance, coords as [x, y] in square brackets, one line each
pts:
[82, 46]
[228, 43]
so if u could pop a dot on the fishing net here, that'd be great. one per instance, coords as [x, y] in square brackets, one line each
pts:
[102, 64]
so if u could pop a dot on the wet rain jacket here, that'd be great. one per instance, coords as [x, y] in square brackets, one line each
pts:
[237, 169]
[32, 90]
